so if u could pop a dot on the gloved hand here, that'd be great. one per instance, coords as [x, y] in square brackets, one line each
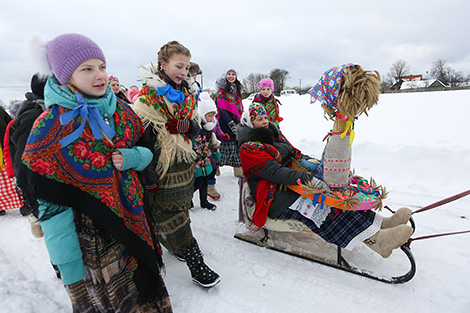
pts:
[225, 137]
[320, 184]
[233, 127]
[178, 126]
[311, 165]
[152, 188]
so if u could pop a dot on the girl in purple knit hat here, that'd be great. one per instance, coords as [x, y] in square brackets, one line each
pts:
[83, 157]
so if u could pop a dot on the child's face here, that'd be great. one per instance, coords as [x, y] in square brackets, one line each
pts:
[266, 92]
[209, 117]
[177, 67]
[261, 121]
[90, 78]
[231, 77]
[114, 86]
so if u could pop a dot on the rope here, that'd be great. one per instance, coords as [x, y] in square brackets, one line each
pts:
[443, 201]
[433, 236]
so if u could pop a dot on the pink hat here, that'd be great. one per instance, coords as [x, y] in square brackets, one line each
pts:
[266, 82]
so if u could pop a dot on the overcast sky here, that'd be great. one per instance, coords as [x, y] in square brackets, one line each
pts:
[303, 37]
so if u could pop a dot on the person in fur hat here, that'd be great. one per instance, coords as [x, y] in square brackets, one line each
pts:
[168, 108]
[266, 159]
[84, 161]
[267, 99]
[206, 145]
[229, 110]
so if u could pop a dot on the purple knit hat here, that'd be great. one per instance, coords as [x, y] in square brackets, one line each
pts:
[266, 82]
[67, 51]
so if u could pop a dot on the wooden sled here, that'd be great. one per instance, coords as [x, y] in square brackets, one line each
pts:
[294, 238]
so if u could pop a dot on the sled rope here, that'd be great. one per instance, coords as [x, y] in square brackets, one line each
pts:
[408, 243]
[443, 201]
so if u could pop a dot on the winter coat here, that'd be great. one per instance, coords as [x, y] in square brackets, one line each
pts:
[205, 147]
[265, 157]
[29, 110]
[229, 108]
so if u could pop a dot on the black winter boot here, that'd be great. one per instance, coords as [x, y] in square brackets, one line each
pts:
[203, 199]
[201, 273]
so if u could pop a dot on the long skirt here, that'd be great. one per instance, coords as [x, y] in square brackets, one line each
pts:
[108, 285]
[343, 228]
[9, 197]
[170, 207]
[229, 154]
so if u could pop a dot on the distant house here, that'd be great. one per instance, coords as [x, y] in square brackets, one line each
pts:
[428, 84]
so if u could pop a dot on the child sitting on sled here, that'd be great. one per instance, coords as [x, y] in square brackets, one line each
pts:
[266, 158]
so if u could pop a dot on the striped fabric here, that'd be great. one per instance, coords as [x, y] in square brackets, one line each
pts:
[9, 198]
[170, 207]
[108, 285]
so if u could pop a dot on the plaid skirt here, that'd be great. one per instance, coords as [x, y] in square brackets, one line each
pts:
[340, 227]
[170, 207]
[229, 154]
[9, 197]
[108, 285]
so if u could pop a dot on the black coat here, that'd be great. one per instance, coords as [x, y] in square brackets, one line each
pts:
[29, 110]
[275, 172]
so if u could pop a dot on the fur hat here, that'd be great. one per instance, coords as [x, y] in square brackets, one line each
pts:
[266, 82]
[65, 53]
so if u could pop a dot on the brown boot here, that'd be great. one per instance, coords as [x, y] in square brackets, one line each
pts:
[399, 217]
[385, 240]
[212, 192]
[238, 172]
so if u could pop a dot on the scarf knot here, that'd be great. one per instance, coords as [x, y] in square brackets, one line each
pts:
[172, 94]
[97, 124]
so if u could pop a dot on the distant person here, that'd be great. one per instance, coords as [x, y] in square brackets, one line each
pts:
[195, 70]
[84, 158]
[133, 93]
[267, 99]
[230, 108]
[167, 106]
[117, 88]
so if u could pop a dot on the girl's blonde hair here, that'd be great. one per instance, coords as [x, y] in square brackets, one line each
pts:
[168, 50]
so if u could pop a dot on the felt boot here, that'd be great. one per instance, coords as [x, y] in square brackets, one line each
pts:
[238, 172]
[212, 192]
[385, 240]
[203, 199]
[201, 273]
[401, 216]
[35, 226]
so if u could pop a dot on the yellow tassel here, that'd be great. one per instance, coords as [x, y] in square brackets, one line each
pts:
[351, 138]
[2, 166]
[349, 125]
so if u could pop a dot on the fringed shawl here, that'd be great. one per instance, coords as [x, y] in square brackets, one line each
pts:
[154, 110]
[81, 175]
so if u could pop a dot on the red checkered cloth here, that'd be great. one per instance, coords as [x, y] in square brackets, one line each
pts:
[9, 198]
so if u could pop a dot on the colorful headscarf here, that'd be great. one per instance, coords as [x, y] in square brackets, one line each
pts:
[328, 87]
[256, 109]
[112, 78]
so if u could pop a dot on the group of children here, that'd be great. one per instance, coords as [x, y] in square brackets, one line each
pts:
[112, 175]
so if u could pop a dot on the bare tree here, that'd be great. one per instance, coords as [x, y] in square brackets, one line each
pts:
[398, 69]
[250, 83]
[279, 77]
[445, 73]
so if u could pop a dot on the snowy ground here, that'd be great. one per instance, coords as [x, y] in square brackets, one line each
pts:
[415, 144]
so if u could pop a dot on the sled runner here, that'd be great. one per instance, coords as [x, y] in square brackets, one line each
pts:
[294, 238]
